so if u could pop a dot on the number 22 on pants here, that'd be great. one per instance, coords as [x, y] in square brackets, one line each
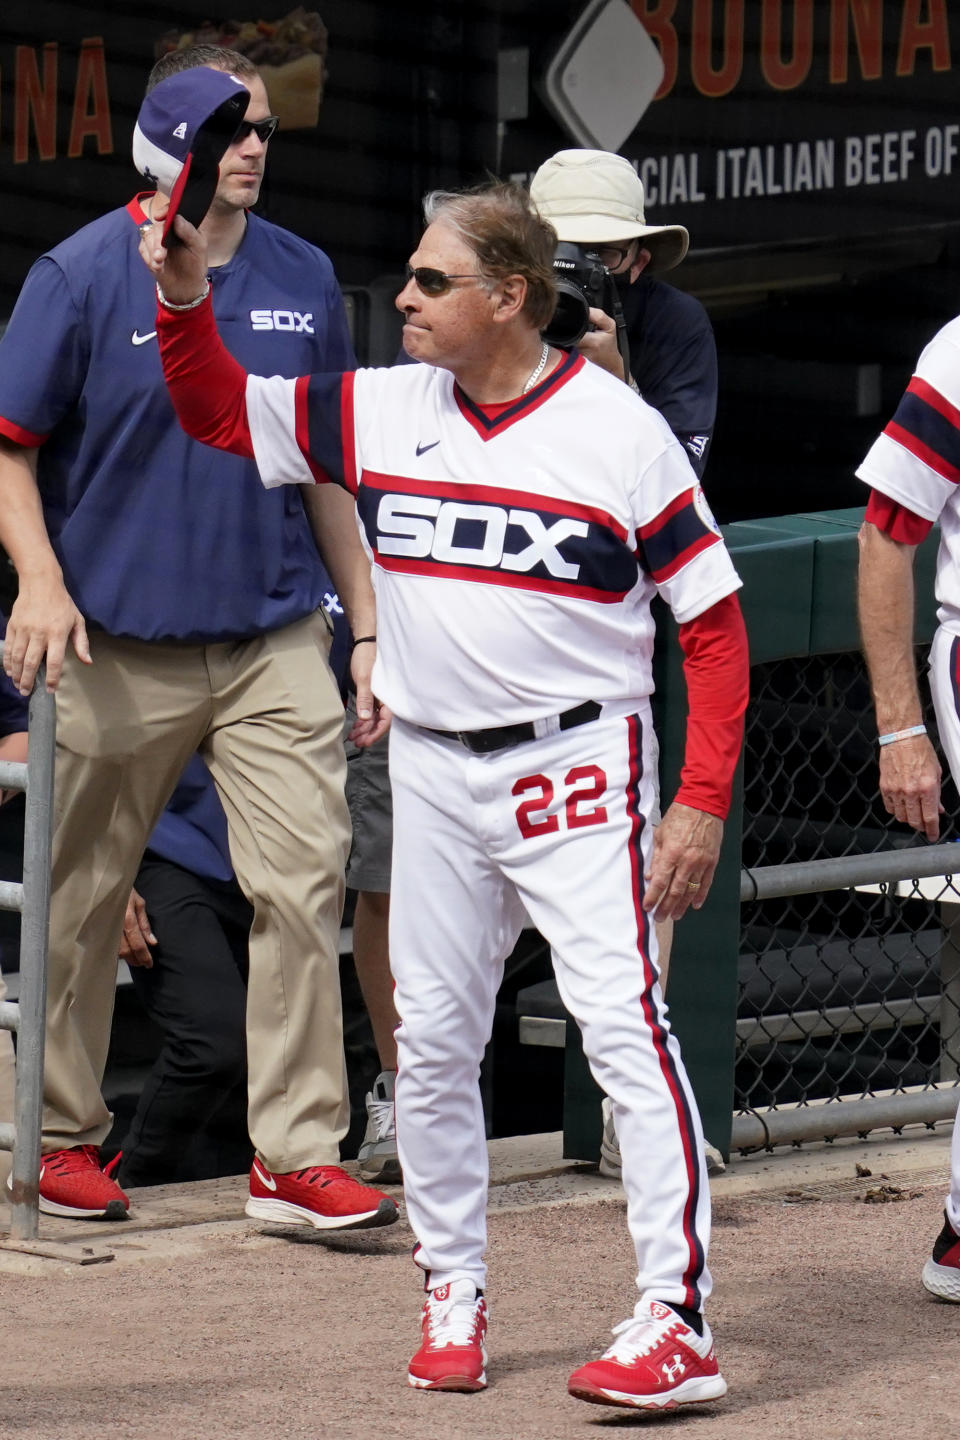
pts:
[584, 783]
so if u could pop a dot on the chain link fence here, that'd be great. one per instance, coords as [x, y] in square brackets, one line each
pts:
[844, 993]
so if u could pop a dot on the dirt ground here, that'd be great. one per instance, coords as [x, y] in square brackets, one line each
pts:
[218, 1331]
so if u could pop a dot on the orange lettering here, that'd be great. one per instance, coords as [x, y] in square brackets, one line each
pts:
[30, 97]
[783, 74]
[708, 79]
[655, 17]
[91, 118]
[867, 17]
[917, 34]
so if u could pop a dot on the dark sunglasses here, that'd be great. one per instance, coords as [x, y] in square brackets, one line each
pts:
[434, 282]
[263, 129]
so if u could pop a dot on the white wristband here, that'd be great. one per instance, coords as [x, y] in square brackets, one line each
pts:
[901, 734]
[190, 305]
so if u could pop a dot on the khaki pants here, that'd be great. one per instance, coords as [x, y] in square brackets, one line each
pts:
[266, 715]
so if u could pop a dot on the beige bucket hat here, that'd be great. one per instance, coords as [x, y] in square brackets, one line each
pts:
[593, 197]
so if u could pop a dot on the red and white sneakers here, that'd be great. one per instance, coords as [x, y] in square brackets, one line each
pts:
[321, 1195]
[72, 1183]
[941, 1274]
[656, 1363]
[454, 1327]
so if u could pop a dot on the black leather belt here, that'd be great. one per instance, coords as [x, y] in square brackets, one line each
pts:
[499, 737]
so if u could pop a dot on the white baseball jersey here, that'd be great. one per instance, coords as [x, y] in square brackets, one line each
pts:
[515, 558]
[916, 460]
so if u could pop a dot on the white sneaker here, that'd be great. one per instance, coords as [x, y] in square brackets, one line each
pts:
[610, 1162]
[377, 1156]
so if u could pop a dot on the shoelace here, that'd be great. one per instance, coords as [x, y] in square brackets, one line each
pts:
[78, 1157]
[451, 1322]
[640, 1337]
[383, 1114]
[320, 1175]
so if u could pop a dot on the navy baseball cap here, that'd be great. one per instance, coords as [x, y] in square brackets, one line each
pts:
[182, 132]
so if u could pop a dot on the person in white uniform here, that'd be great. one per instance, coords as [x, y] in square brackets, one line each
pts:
[913, 469]
[521, 509]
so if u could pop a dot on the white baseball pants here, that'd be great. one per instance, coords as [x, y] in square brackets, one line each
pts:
[945, 689]
[558, 826]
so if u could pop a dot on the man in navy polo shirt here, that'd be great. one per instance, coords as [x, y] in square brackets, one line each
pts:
[203, 595]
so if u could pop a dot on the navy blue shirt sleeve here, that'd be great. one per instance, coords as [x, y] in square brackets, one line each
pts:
[673, 358]
[43, 356]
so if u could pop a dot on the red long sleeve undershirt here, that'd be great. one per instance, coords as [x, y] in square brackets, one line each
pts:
[896, 520]
[207, 386]
[716, 668]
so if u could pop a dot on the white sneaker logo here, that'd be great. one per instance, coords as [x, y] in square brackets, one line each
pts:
[675, 1370]
[269, 1182]
[137, 339]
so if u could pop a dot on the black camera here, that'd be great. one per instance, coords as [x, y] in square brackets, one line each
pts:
[582, 281]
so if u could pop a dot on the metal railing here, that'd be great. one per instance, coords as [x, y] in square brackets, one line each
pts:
[849, 1004]
[27, 1016]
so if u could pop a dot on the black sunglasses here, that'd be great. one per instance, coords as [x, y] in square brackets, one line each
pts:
[263, 129]
[611, 256]
[434, 282]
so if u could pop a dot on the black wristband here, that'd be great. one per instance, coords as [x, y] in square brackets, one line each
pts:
[364, 640]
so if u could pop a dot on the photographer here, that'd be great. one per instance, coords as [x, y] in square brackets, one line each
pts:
[594, 199]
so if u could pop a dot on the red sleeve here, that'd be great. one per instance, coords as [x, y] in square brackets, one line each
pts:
[896, 520]
[207, 386]
[716, 667]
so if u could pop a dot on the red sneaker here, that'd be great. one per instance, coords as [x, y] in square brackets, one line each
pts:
[321, 1195]
[657, 1363]
[941, 1274]
[72, 1183]
[454, 1327]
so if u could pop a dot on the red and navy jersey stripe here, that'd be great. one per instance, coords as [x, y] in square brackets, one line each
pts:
[324, 422]
[673, 538]
[495, 536]
[929, 427]
[488, 425]
[696, 1254]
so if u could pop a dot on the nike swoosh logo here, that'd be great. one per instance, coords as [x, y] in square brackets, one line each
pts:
[137, 339]
[422, 449]
[270, 1183]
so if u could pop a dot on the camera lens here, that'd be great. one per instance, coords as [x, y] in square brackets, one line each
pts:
[570, 319]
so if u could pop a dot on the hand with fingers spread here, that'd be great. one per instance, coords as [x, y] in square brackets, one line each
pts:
[686, 848]
[910, 784]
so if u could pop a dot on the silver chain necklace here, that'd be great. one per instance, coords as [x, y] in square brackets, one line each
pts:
[536, 373]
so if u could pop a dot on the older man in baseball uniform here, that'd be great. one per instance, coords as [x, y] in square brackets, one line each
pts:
[521, 508]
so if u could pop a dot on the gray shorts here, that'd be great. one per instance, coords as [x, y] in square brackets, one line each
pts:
[371, 811]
